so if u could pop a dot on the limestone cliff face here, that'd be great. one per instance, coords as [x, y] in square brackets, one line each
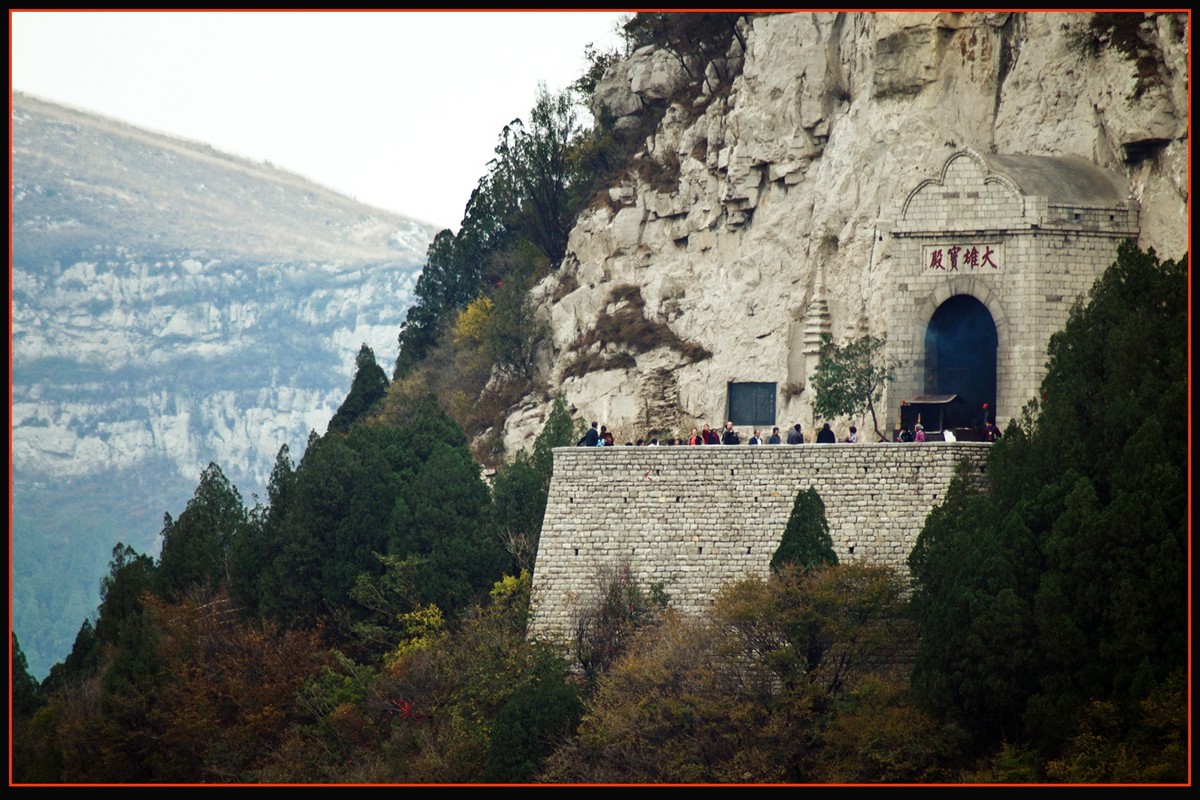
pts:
[777, 228]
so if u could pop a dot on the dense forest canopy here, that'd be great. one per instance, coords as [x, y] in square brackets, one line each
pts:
[1055, 601]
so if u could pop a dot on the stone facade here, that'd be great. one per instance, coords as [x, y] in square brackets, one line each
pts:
[1027, 236]
[696, 518]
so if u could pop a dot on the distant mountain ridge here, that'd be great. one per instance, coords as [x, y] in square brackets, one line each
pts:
[171, 305]
[82, 179]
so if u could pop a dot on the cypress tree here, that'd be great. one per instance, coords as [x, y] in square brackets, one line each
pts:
[806, 540]
[196, 547]
[1064, 585]
[369, 386]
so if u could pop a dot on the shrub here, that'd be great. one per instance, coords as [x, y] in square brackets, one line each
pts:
[628, 327]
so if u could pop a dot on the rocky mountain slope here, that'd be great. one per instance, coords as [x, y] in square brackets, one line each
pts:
[171, 305]
[758, 211]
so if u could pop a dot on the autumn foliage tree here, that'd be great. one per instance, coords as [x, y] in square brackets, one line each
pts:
[745, 692]
[607, 621]
[230, 692]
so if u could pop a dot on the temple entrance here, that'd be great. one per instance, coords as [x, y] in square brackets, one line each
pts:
[960, 355]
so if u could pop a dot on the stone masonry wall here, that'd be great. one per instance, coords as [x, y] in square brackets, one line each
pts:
[696, 518]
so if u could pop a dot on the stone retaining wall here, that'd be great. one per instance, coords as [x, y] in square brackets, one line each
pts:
[695, 518]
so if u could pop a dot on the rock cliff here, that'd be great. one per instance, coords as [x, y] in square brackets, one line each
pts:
[757, 214]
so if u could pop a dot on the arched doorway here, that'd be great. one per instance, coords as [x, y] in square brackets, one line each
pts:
[960, 355]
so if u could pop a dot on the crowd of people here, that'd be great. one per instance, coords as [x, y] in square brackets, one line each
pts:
[600, 436]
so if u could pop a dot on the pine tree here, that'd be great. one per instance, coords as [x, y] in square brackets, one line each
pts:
[560, 430]
[25, 694]
[253, 548]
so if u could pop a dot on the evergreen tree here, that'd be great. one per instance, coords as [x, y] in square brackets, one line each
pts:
[514, 227]
[448, 281]
[427, 427]
[1065, 584]
[536, 161]
[328, 525]
[130, 575]
[560, 430]
[442, 517]
[411, 491]
[806, 540]
[253, 549]
[25, 690]
[369, 386]
[521, 488]
[25, 752]
[123, 636]
[975, 662]
[418, 335]
[283, 477]
[543, 711]
[519, 500]
[196, 547]
[83, 660]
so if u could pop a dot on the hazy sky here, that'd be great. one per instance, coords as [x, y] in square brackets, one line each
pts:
[399, 109]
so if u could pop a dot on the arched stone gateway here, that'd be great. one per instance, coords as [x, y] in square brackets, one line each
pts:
[960, 353]
[1010, 239]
